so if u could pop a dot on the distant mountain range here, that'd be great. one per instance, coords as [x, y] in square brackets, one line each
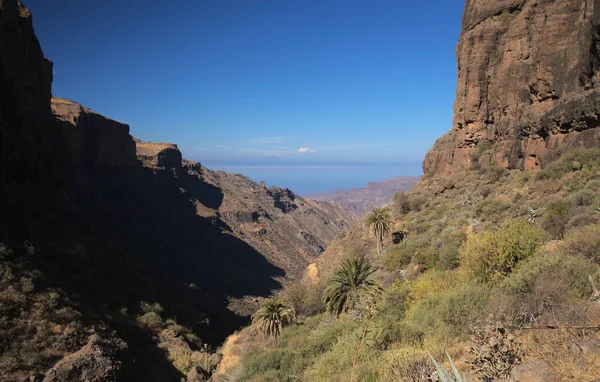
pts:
[374, 194]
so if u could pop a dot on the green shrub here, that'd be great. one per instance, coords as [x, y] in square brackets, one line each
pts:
[417, 203]
[428, 257]
[490, 256]
[449, 314]
[151, 320]
[576, 160]
[559, 207]
[336, 364]
[495, 174]
[398, 256]
[564, 268]
[295, 295]
[325, 335]
[490, 207]
[593, 185]
[581, 220]
[449, 258]
[388, 325]
[285, 364]
[400, 203]
[482, 147]
[147, 307]
[583, 197]
[584, 241]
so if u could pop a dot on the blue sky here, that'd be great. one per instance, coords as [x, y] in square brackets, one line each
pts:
[263, 82]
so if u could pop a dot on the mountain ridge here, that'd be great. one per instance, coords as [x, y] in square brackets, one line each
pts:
[374, 194]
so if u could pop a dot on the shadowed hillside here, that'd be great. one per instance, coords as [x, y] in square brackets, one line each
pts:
[116, 262]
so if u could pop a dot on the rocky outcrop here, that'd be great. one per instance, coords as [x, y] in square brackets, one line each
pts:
[97, 361]
[528, 84]
[165, 155]
[26, 78]
[92, 140]
[283, 198]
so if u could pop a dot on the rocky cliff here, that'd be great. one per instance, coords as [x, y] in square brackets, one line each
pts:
[528, 84]
[26, 78]
[92, 140]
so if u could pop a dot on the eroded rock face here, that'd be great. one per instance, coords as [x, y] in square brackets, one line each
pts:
[166, 155]
[283, 199]
[25, 78]
[91, 139]
[528, 84]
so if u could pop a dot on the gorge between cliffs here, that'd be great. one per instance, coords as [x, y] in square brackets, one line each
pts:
[121, 260]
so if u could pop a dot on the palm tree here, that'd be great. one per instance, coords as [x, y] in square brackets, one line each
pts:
[345, 286]
[379, 222]
[273, 316]
[353, 277]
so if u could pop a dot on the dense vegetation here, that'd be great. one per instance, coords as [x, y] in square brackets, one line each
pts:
[471, 260]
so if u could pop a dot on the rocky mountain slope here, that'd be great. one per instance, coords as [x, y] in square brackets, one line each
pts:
[288, 230]
[374, 194]
[118, 259]
[527, 89]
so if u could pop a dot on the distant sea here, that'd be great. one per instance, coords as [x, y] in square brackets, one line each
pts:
[305, 180]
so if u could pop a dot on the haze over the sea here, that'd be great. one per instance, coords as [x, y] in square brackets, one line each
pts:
[309, 179]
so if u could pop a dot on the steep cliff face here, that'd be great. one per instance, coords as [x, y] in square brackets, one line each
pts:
[92, 140]
[528, 84]
[25, 78]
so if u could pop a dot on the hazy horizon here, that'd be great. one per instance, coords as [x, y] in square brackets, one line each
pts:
[310, 179]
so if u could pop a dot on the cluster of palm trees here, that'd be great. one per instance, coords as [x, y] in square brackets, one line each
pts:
[348, 284]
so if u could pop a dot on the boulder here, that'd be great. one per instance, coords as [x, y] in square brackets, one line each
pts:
[96, 361]
[165, 155]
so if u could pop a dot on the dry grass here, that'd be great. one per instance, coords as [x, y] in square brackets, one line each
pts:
[230, 356]
[312, 273]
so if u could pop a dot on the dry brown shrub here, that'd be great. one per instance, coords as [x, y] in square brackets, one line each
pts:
[573, 354]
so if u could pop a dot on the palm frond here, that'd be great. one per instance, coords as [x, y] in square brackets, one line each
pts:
[272, 317]
[353, 276]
